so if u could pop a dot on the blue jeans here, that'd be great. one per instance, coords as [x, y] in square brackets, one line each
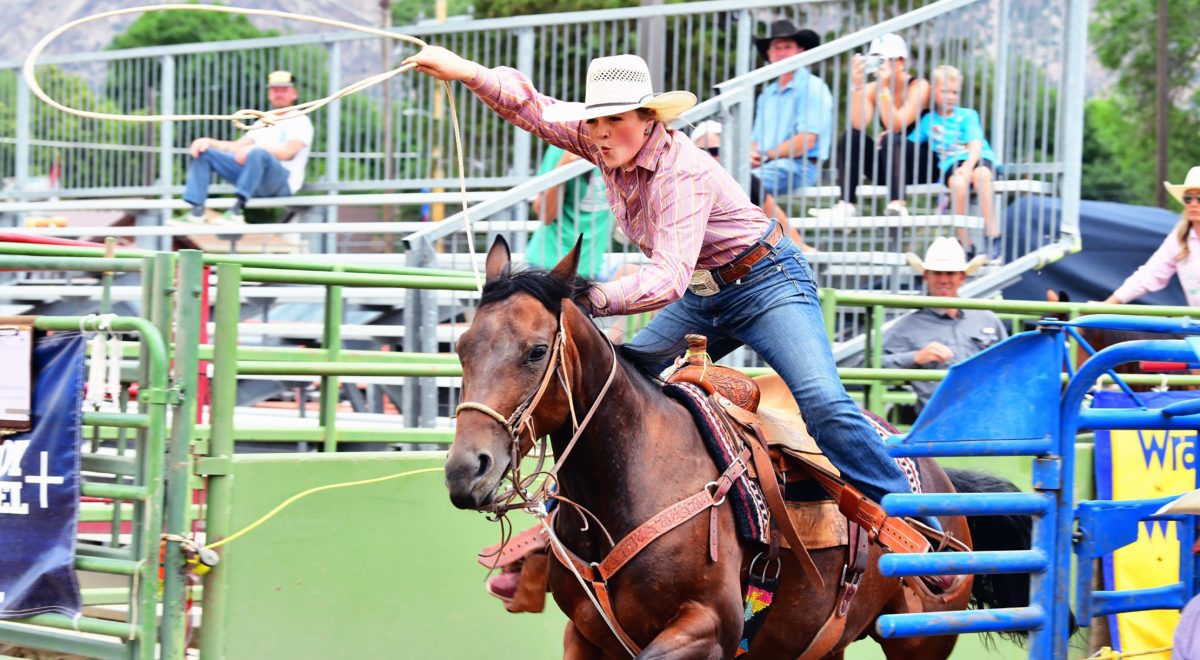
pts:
[784, 175]
[775, 311]
[261, 176]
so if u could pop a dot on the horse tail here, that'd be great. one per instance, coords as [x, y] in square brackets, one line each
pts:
[1001, 532]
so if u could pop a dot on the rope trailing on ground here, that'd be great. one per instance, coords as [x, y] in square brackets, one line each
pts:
[266, 118]
[292, 500]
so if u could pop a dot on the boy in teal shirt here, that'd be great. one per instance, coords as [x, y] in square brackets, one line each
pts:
[579, 206]
[966, 160]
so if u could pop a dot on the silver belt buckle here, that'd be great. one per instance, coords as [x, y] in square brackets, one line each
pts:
[703, 283]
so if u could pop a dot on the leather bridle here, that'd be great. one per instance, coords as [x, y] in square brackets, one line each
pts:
[520, 423]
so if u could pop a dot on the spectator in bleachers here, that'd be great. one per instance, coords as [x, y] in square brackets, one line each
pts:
[579, 206]
[965, 159]
[900, 100]
[707, 136]
[265, 162]
[1178, 255]
[793, 118]
[937, 338]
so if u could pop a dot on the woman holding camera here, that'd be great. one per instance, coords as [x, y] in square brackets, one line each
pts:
[900, 99]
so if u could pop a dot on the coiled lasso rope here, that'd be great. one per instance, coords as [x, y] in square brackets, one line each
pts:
[266, 118]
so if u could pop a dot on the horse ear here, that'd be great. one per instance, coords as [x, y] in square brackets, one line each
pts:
[567, 268]
[497, 258]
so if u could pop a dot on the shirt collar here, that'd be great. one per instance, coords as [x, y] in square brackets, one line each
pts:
[943, 315]
[656, 145]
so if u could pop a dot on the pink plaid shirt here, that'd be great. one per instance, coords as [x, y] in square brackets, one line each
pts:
[676, 203]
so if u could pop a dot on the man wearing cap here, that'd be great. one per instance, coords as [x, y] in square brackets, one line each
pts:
[937, 338]
[268, 161]
[793, 119]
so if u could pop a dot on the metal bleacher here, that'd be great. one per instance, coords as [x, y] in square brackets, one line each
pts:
[369, 202]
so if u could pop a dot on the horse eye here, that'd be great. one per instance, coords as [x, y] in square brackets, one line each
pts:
[537, 353]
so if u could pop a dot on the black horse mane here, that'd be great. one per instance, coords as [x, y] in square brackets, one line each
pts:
[551, 291]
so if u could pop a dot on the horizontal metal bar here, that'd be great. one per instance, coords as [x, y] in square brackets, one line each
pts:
[1182, 408]
[105, 595]
[1168, 597]
[963, 563]
[1180, 326]
[118, 420]
[1022, 447]
[106, 565]
[85, 624]
[110, 464]
[17, 262]
[357, 279]
[1128, 418]
[297, 354]
[966, 504]
[71, 643]
[345, 369]
[377, 199]
[104, 551]
[316, 433]
[1006, 619]
[115, 491]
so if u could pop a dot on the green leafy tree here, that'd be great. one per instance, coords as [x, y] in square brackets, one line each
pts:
[1120, 133]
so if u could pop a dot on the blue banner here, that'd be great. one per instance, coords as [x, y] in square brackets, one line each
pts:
[39, 488]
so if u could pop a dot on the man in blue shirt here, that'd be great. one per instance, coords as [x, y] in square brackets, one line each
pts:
[793, 119]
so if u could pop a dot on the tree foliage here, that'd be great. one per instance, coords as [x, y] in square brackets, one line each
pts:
[1119, 138]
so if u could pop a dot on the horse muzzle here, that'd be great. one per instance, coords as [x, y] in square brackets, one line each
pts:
[473, 477]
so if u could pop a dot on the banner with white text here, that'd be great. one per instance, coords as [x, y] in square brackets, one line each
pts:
[39, 488]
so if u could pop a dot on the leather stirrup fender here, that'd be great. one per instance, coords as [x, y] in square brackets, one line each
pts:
[783, 522]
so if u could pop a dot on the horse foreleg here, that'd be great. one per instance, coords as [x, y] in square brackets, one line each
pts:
[577, 647]
[695, 633]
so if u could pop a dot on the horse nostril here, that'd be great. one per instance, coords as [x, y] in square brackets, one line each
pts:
[485, 464]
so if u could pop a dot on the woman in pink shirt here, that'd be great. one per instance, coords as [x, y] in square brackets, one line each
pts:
[1179, 253]
[718, 265]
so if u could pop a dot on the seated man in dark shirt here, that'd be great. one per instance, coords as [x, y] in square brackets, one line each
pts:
[937, 338]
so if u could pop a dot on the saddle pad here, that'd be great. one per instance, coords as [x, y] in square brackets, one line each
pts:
[724, 444]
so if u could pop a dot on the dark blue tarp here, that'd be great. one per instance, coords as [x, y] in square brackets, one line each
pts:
[1117, 238]
[39, 472]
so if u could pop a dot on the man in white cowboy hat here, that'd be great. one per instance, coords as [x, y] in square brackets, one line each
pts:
[265, 162]
[936, 338]
[793, 118]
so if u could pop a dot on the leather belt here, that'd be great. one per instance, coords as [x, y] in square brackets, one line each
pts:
[739, 267]
[709, 282]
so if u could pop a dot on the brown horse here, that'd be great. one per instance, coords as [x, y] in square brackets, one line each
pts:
[638, 452]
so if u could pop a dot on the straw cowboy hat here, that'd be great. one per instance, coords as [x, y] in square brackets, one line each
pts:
[947, 256]
[1186, 503]
[618, 84]
[1192, 182]
[784, 29]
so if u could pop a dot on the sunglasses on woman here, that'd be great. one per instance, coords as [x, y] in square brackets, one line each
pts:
[1188, 199]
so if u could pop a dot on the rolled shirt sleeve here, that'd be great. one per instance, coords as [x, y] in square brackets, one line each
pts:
[514, 98]
[1152, 275]
[681, 205]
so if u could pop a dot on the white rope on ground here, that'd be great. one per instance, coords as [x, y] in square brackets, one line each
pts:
[265, 118]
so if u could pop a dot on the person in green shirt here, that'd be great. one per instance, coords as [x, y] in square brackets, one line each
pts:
[579, 206]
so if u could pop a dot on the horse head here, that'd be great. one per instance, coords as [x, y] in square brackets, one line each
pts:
[510, 357]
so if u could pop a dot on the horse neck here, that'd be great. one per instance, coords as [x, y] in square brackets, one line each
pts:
[634, 427]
